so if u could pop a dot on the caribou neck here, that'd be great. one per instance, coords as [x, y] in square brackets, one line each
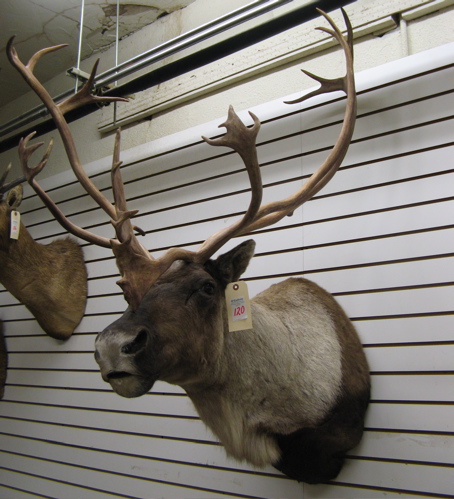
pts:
[213, 376]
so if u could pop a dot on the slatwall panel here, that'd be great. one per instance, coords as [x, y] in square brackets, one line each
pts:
[379, 237]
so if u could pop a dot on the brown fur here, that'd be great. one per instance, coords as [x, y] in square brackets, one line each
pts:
[50, 280]
[291, 392]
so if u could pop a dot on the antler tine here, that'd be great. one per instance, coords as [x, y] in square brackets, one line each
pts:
[242, 140]
[122, 223]
[133, 259]
[57, 113]
[275, 211]
[10, 185]
[26, 151]
[331, 85]
[14, 57]
[4, 175]
[85, 95]
[37, 56]
[30, 173]
[2, 180]
[271, 213]
[137, 267]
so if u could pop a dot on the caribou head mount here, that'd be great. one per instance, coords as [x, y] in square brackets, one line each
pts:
[50, 280]
[292, 391]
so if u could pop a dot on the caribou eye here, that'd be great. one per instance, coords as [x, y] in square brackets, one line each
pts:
[209, 288]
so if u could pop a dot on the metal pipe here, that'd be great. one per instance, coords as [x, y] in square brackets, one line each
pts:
[156, 54]
[188, 39]
[196, 60]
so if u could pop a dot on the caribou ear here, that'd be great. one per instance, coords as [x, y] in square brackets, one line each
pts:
[14, 197]
[232, 264]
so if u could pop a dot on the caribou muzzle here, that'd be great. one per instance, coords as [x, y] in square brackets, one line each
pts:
[119, 350]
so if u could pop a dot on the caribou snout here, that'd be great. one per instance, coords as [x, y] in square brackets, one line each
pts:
[117, 352]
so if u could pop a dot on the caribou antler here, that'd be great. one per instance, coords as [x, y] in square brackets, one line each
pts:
[271, 213]
[4, 175]
[57, 111]
[137, 267]
[7, 187]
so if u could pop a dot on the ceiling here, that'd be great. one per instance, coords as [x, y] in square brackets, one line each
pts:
[42, 23]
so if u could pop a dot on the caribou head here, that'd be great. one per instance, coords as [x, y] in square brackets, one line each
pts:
[50, 280]
[293, 388]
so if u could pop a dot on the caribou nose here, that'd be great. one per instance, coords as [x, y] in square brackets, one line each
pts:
[119, 352]
[116, 347]
[136, 344]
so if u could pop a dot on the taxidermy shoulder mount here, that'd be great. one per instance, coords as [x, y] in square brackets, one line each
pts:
[291, 391]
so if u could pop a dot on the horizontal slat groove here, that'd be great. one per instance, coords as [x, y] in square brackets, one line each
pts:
[84, 487]
[404, 431]
[413, 344]
[123, 432]
[284, 116]
[147, 457]
[392, 490]
[314, 222]
[399, 461]
[299, 273]
[17, 489]
[101, 410]
[104, 451]
[234, 172]
[303, 272]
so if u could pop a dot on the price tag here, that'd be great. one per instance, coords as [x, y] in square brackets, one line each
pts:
[238, 306]
[15, 225]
